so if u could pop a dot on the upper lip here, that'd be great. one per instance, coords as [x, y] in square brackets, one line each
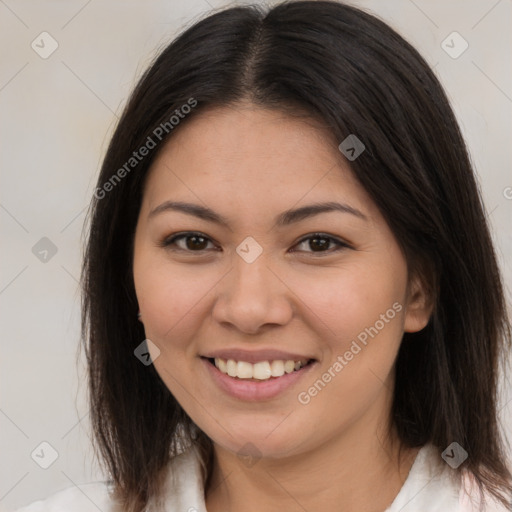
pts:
[255, 356]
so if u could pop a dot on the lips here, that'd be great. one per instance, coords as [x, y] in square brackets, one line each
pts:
[251, 390]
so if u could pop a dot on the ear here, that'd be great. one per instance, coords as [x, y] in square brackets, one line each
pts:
[419, 306]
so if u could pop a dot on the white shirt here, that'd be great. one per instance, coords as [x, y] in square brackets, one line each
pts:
[428, 488]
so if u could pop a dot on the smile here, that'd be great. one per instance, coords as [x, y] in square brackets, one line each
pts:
[258, 381]
[263, 370]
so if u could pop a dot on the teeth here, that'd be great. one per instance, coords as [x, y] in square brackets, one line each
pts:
[244, 370]
[289, 366]
[262, 370]
[221, 365]
[231, 368]
[277, 368]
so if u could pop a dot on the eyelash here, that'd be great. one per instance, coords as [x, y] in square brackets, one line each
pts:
[168, 241]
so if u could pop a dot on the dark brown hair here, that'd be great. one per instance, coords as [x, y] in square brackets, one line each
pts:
[358, 76]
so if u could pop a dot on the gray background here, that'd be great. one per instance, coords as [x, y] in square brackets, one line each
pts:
[57, 115]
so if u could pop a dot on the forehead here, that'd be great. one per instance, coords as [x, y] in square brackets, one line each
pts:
[251, 157]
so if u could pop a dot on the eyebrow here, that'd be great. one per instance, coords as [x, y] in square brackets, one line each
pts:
[284, 219]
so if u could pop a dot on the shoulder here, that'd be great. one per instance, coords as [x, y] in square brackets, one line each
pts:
[183, 490]
[432, 486]
[184, 486]
[470, 498]
[84, 498]
[461, 485]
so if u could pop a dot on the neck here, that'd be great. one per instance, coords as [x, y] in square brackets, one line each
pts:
[352, 472]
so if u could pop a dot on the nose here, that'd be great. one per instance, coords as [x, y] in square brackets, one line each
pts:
[252, 296]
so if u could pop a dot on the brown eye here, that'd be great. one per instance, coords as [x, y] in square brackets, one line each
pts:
[197, 242]
[320, 243]
[193, 242]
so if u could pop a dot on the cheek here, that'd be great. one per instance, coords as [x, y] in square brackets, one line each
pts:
[164, 302]
[170, 300]
[365, 313]
[173, 299]
[362, 307]
[352, 299]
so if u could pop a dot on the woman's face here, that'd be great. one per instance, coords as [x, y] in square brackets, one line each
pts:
[249, 281]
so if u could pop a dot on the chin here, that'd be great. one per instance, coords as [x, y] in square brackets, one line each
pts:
[249, 441]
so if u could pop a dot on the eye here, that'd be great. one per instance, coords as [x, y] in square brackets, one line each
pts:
[320, 242]
[198, 242]
[193, 242]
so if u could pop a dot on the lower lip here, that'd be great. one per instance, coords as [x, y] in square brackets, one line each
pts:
[251, 390]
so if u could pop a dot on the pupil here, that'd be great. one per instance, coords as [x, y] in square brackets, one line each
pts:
[323, 242]
[194, 245]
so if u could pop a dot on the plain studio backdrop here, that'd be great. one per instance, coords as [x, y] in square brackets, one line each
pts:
[67, 69]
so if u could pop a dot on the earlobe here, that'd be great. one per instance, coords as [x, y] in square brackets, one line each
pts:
[419, 307]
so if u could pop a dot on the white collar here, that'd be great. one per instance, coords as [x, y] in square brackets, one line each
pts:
[431, 486]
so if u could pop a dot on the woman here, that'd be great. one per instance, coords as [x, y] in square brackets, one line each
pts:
[291, 299]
